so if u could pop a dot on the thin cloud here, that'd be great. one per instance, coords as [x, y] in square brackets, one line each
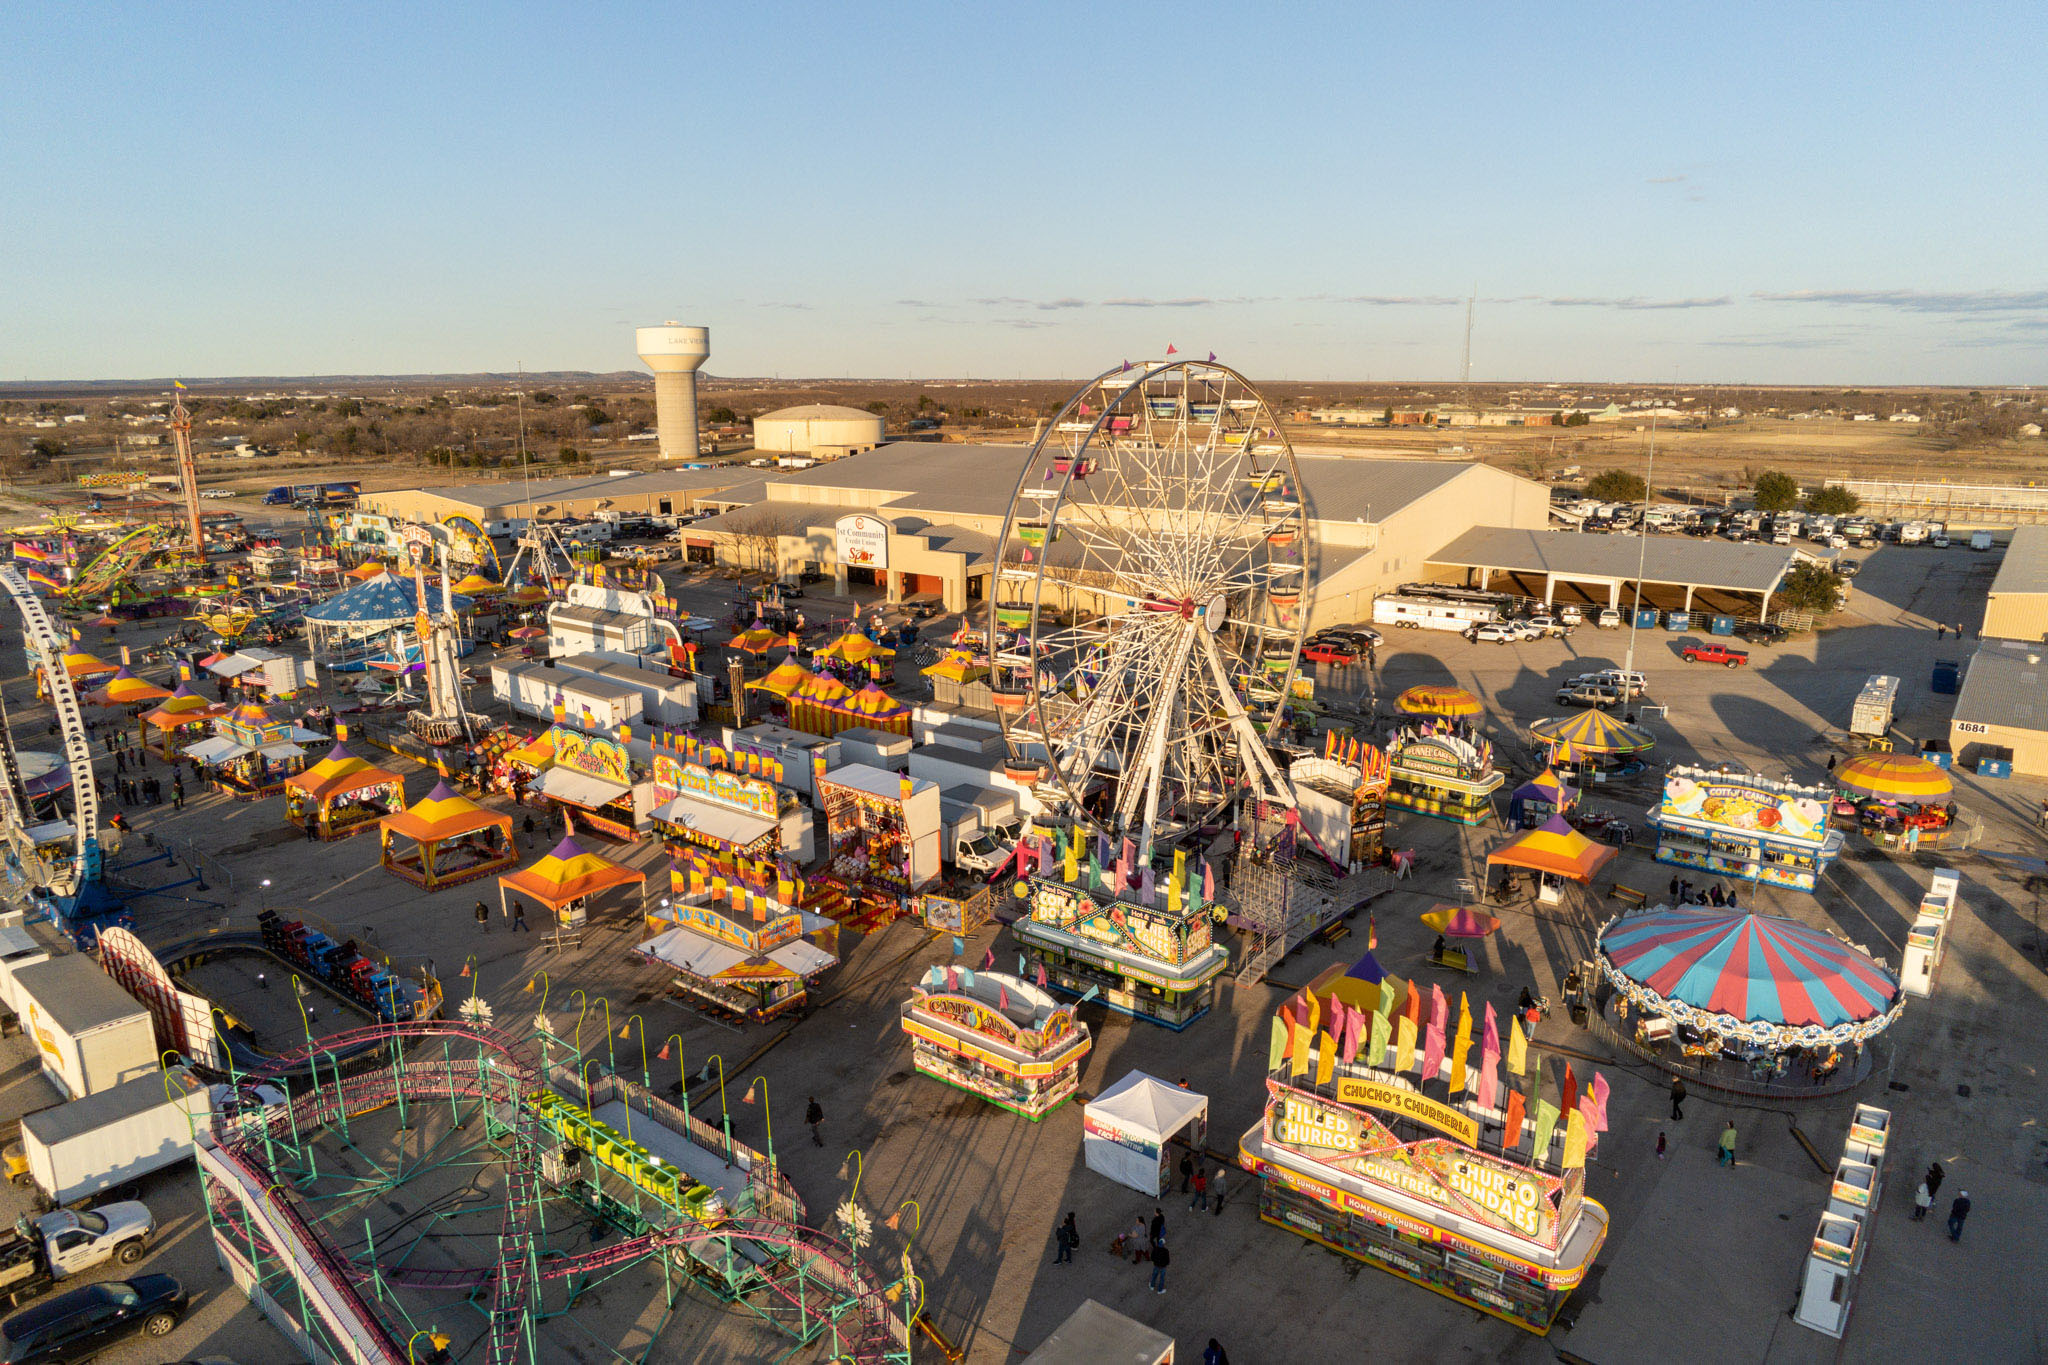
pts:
[918, 303]
[1166, 303]
[1667, 179]
[1778, 343]
[801, 307]
[1920, 301]
[1635, 303]
[1400, 300]
[1043, 305]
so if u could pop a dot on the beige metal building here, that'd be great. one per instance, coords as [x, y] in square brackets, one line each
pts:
[921, 519]
[2004, 705]
[1678, 573]
[2018, 606]
[661, 492]
[822, 430]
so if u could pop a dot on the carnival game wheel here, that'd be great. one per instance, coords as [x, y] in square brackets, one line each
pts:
[1152, 593]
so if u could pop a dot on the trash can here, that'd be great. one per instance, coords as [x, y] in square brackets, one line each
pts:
[1948, 677]
[1646, 618]
[1935, 751]
[1994, 763]
[1678, 620]
[1721, 625]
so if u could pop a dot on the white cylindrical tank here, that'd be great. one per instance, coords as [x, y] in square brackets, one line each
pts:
[817, 426]
[675, 353]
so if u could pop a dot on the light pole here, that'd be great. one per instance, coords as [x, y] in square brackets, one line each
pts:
[1642, 551]
[682, 1076]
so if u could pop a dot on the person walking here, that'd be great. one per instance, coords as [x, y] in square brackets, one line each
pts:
[1201, 1199]
[1923, 1200]
[1941, 630]
[1214, 1354]
[1059, 1239]
[1660, 1146]
[814, 1116]
[1216, 1190]
[1831, 762]
[120, 760]
[178, 792]
[1161, 1259]
[1727, 1156]
[519, 925]
[1069, 1237]
[1957, 1212]
[1187, 1170]
[483, 917]
[1677, 1098]
[1935, 1175]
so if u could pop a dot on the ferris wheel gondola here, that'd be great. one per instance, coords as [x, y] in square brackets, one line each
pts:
[1150, 600]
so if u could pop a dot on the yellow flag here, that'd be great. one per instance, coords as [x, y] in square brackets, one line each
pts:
[1518, 1047]
[1462, 1044]
[1574, 1140]
[1326, 1060]
[1315, 1008]
[1300, 1058]
[1404, 1047]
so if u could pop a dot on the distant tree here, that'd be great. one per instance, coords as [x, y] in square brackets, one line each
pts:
[348, 407]
[723, 415]
[1809, 587]
[1832, 500]
[595, 416]
[568, 454]
[1387, 417]
[1616, 485]
[878, 407]
[1578, 419]
[924, 402]
[541, 397]
[1776, 491]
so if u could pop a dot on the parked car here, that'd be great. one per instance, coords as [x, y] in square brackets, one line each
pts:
[1760, 632]
[1602, 695]
[1571, 616]
[1715, 654]
[1499, 632]
[1361, 637]
[85, 1322]
[1330, 652]
[1866, 542]
[1848, 568]
[1609, 619]
[1630, 684]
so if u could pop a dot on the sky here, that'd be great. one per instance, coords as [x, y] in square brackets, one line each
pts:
[1726, 193]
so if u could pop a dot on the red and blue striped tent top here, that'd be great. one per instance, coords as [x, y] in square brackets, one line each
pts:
[1750, 967]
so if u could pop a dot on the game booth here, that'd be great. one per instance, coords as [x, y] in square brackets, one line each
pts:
[1383, 1139]
[590, 780]
[454, 840]
[251, 752]
[717, 808]
[882, 838]
[181, 718]
[996, 1036]
[1442, 769]
[740, 949]
[565, 882]
[1898, 801]
[1541, 797]
[1556, 853]
[1751, 996]
[1129, 1129]
[342, 794]
[1746, 826]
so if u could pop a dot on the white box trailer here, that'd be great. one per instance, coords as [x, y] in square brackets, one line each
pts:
[18, 949]
[875, 748]
[1875, 707]
[83, 1147]
[589, 702]
[89, 1033]
[796, 750]
[1425, 613]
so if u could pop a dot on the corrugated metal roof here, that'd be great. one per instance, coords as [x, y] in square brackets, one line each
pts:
[2003, 686]
[2026, 562]
[92, 1112]
[1681, 560]
[819, 411]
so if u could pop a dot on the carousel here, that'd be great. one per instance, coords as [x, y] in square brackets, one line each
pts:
[1898, 801]
[454, 840]
[1743, 996]
[375, 620]
[342, 794]
[1593, 742]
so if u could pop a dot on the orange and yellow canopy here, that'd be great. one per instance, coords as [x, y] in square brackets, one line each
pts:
[339, 774]
[1438, 699]
[1553, 847]
[568, 873]
[1894, 777]
[443, 814]
[855, 648]
[125, 689]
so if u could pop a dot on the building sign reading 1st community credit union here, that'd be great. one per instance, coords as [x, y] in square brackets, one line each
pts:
[861, 542]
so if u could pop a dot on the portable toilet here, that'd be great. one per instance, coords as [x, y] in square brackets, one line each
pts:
[1948, 677]
[1678, 620]
[1721, 625]
[1646, 618]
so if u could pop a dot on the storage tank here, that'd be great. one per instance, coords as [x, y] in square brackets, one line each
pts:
[817, 428]
[675, 353]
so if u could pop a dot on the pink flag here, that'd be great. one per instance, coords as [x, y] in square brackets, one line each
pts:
[1208, 881]
[1355, 1019]
[1433, 1049]
[1489, 1038]
[1439, 1009]
[1489, 1071]
[1171, 351]
[1041, 975]
[952, 978]
[1027, 554]
[1596, 1115]
[1002, 997]
[988, 960]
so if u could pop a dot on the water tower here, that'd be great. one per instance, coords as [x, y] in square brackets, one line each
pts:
[675, 354]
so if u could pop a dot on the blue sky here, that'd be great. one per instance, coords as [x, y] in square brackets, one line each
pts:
[1760, 193]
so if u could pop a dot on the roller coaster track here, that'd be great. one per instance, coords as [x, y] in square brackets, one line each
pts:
[44, 639]
[797, 1277]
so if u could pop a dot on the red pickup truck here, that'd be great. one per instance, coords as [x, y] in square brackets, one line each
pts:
[1716, 654]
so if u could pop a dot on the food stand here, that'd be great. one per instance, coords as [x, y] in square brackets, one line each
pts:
[342, 794]
[1442, 769]
[1127, 1130]
[720, 810]
[565, 881]
[996, 1036]
[882, 836]
[183, 716]
[738, 951]
[1747, 826]
[454, 841]
[590, 780]
[1145, 943]
[251, 752]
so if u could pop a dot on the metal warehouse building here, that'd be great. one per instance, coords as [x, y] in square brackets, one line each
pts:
[2018, 606]
[2003, 705]
[1677, 573]
[661, 492]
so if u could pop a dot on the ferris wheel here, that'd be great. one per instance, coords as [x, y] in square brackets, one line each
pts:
[1150, 602]
[42, 635]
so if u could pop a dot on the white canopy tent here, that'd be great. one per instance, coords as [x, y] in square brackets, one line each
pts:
[1125, 1129]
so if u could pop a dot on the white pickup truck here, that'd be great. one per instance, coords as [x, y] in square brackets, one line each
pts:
[61, 1244]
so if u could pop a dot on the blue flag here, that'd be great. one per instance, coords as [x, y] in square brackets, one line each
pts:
[959, 945]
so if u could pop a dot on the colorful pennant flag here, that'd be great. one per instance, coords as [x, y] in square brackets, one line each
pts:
[1404, 1052]
[1546, 1127]
[1378, 1047]
[1326, 1059]
[1461, 1044]
[1511, 1136]
[1596, 1103]
[1276, 1051]
[1298, 1050]
[1575, 1136]
[1518, 1047]
[1489, 1081]
[1432, 1052]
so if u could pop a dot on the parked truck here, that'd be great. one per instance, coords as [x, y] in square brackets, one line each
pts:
[979, 827]
[1875, 706]
[47, 1250]
[82, 1147]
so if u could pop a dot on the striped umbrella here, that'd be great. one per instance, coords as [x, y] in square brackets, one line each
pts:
[1438, 699]
[1894, 777]
[1593, 732]
[1756, 969]
[1461, 922]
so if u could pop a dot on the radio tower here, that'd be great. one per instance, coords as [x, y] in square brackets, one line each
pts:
[188, 473]
[1470, 304]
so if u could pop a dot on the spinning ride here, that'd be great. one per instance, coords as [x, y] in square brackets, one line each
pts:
[1150, 609]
